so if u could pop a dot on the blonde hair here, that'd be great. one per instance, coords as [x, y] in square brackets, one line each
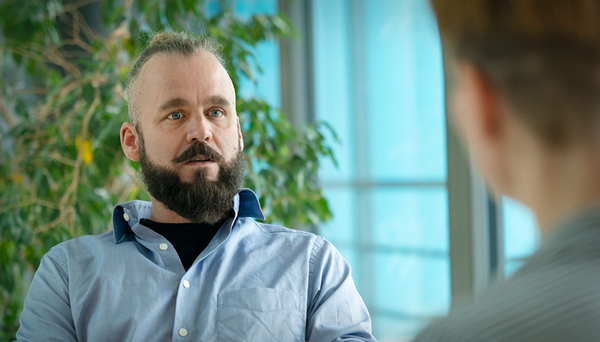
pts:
[542, 55]
[181, 43]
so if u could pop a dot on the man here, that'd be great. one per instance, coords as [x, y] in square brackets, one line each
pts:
[525, 95]
[192, 265]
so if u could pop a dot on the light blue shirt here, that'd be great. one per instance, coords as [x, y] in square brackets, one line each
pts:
[253, 282]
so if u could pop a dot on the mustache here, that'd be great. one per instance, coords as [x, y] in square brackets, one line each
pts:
[196, 149]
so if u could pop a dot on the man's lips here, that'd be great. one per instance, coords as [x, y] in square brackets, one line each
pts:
[199, 160]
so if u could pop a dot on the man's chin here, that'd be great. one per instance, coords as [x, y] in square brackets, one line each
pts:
[208, 172]
[208, 177]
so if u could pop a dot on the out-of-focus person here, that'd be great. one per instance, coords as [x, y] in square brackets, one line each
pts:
[525, 97]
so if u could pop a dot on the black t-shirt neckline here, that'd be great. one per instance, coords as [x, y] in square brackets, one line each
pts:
[188, 239]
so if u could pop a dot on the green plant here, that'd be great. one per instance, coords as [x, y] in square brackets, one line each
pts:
[61, 165]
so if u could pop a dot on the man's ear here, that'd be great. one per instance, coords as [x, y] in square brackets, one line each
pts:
[485, 124]
[484, 97]
[240, 134]
[130, 141]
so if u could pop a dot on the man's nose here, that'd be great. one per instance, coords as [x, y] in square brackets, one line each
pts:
[199, 129]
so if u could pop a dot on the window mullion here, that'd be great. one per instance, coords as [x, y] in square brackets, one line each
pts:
[470, 269]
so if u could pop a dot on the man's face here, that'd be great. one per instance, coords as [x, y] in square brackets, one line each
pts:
[187, 137]
[184, 102]
[201, 200]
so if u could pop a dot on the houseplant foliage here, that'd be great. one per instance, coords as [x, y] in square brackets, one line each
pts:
[61, 107]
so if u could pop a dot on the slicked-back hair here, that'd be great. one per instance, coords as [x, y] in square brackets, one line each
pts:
[542, 55]
[178, 43]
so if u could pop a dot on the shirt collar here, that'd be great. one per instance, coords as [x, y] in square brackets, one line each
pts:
[575, 236]
[579, 227]
[246, 204]
[127, 214]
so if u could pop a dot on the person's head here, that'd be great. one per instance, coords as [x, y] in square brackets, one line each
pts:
[183, 127]
[535, 63]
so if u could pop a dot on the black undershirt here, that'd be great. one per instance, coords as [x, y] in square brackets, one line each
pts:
[188, 239]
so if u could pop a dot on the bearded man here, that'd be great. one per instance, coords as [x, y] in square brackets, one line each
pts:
[192, 265]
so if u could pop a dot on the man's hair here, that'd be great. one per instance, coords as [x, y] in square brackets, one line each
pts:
[180, 43]
[542, 55]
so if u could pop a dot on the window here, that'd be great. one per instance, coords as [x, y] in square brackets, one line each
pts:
[378, 80]
[267, 56]
[521, 234]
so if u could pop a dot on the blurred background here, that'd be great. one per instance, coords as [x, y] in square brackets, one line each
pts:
[343, 111]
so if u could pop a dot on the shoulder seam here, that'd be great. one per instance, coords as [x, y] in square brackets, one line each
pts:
[55, 257]
[281, 229]
[314, 253]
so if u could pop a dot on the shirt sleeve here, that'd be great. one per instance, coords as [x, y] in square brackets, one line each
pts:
[46, 313]
[336, 312]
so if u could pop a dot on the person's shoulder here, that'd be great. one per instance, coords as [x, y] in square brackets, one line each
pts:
[105, 237]
[543, 304]
[275, 229]
[82, 245]
[277, 235]
[484, 319]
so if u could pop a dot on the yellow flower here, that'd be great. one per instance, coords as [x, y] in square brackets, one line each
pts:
[16, 177]
[86, 150]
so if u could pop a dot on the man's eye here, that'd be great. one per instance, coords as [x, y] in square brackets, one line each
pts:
[216, 113]
[174, 116]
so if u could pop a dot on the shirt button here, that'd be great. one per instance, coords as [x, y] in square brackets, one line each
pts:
[163, 246]
[126, 217]
[186, 284]
[183, 332]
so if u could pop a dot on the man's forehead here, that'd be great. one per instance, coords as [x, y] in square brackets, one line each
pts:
[170, 77]
[200, 62]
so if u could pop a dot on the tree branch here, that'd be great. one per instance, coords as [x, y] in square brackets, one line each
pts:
[65, 200]
[77, 4]
[6, 112]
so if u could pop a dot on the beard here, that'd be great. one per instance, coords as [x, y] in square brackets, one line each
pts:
[201, 200]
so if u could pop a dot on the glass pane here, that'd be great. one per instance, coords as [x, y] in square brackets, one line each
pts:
[341, 230]
[521, 234]
[511, 266]
[405, 91]
[245, 9]
[353, 258]
[267, 56]
[379, 83]
[411, 285]
[415, 218]
[332, 78]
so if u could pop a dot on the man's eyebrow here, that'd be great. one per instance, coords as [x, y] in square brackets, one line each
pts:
[217, 100]
[174, 103]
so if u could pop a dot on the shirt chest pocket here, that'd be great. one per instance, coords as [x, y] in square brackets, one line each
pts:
[260, 314]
